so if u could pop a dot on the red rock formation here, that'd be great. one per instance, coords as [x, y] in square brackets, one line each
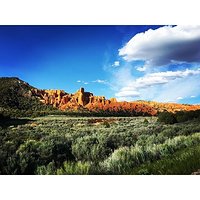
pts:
[85, 100]
[170, 107]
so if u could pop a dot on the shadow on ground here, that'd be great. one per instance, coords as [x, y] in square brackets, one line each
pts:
[4, 123]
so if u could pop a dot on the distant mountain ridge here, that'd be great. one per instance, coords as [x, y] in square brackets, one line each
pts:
[18, 94]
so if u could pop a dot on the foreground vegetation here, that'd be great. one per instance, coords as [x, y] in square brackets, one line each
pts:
[181, 162]
[94, 145]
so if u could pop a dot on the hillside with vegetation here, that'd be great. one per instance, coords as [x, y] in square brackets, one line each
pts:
[17, 100]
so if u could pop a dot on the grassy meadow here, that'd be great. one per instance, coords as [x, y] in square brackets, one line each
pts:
[99, 145]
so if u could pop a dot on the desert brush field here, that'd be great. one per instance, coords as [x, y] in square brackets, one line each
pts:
[99, 145]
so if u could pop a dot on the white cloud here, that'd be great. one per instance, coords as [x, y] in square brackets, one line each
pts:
[124, 99]
[176, 74]
[100, 81]
[95, 81]
[116, 64]
[164, 46]
[146, 86]
[182, 87]
[159, 50]
[141, 69]
[179, 98]
[83, 82]
[127, 93]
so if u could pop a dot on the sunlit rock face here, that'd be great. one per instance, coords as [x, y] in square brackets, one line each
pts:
[86, 100]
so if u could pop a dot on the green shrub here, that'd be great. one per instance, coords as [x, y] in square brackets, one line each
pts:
[123, 160]
[67, 168]
[50, 169]
[115, 140]
[33, 153]
[183, 116]
[72, 168]
[170, 132]
[90, 148]
[61, 149]
[182, 162]
[106, 124]
[167, 118]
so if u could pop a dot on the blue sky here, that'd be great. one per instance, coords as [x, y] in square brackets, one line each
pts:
[158, 63]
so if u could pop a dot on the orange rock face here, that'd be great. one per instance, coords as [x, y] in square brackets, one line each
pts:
[171, 107]
[86, 100]
[63, 100]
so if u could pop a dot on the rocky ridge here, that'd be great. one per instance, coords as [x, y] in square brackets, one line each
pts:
[17, 94]
[86, 100]
[81, 100]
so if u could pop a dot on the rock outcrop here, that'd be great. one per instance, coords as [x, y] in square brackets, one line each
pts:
[63, 100]
[170, 107]
[85, 100]
[49, 97]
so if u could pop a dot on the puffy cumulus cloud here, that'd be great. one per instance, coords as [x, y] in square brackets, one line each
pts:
[164, 46]
[192, 96]
[146, 86]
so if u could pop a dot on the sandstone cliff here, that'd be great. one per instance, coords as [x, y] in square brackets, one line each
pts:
[170, 107]
[81, 100]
